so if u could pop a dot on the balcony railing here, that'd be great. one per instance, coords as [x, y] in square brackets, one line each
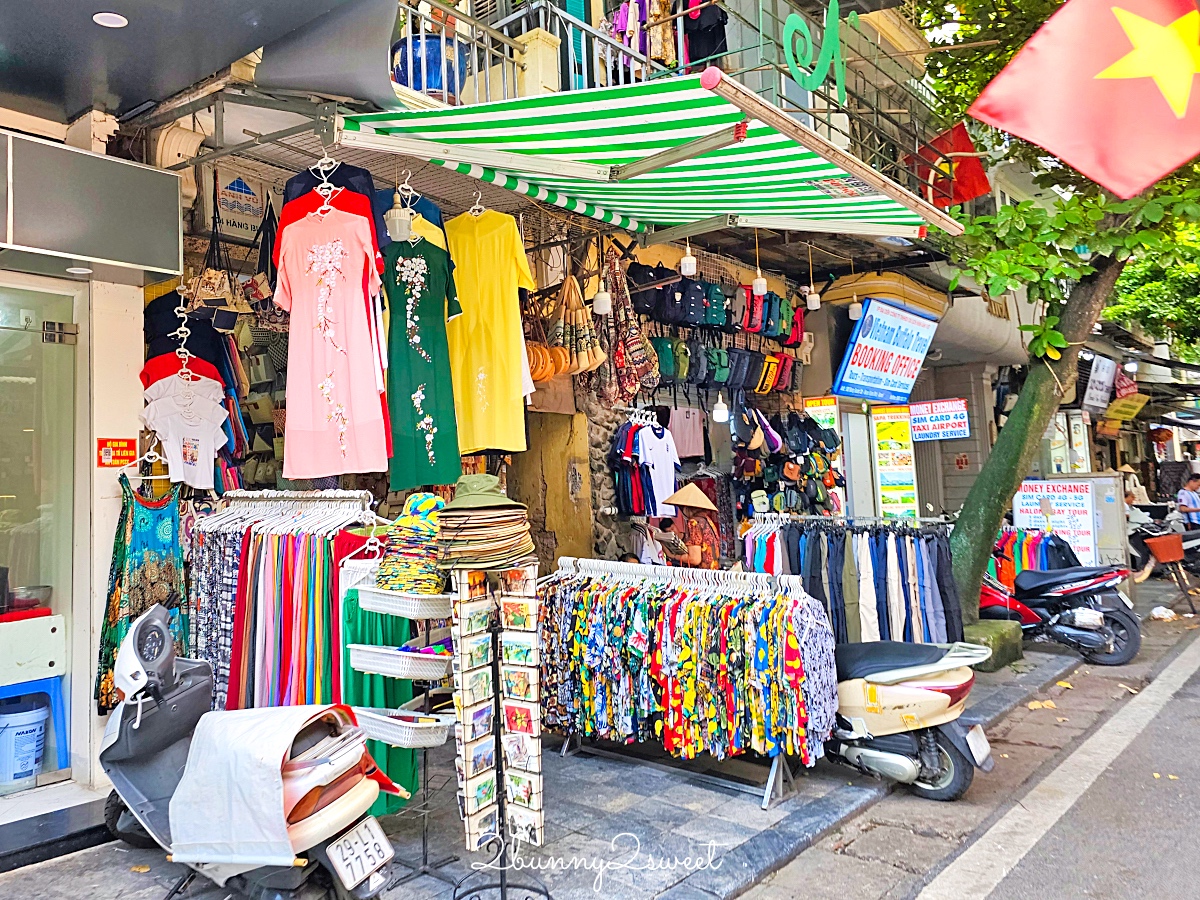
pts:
[884, 115]
[587, 56]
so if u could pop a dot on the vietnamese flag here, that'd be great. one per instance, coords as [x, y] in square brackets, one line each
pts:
[1107, 86]
[953, 150]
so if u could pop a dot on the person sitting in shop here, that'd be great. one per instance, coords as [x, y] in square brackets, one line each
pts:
[699, 532]
[672, 544]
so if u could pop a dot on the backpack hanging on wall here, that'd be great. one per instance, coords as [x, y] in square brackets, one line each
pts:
[694, 297]
[669, 310]
[643, 301]
[664, 349]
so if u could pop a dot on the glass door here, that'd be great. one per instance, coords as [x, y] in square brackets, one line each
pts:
[37, 507]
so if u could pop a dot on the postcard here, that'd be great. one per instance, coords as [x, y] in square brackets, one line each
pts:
[522, 751]
[481, 791]
[473, 616]
[522, 718]
[519, 648]
[524, 788]
[475, 686]
[475, 651]
[526, 826]
[519, 682]
[480, 756]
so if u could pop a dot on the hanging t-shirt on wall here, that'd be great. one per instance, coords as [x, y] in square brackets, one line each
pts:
[191, 435]
[656, 449]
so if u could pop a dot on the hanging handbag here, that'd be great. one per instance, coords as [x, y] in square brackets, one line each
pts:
[783, 381]
[211, 295]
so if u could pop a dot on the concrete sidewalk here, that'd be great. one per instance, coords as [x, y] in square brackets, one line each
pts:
[589, 802]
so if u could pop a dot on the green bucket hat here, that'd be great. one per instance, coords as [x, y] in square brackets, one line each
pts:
[479, 492]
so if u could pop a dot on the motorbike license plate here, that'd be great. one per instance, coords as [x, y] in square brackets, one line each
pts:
[978, 742]
[360, 852]
[1124, 599]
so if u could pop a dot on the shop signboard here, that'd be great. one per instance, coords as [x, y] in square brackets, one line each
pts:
[1125, 408]
[1126, 386]
[1067, 507]
[1100, 384]
[241, 201]
[885, 353]
[112, 453]
[940, 420]
[895, 469]
[823, 411]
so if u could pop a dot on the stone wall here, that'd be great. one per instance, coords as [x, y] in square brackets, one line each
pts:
[610, 537]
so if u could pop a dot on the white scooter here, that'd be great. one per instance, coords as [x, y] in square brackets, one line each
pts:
[329, 780]
[898, 710]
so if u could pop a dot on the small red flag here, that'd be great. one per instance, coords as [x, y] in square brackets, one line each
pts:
[1106, 85]
[948, 167]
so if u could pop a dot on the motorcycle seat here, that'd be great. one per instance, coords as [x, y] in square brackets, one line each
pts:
[863, 660]
[1032, 582]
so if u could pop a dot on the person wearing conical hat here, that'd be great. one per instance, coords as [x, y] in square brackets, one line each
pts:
[699, 532]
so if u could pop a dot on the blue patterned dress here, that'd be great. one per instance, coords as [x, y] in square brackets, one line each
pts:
[147, 568]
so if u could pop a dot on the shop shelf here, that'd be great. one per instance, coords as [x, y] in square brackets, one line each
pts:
[408, 606]
[399, 663]
[398, 728]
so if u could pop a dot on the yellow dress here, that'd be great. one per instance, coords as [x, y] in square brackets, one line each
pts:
[487, 343]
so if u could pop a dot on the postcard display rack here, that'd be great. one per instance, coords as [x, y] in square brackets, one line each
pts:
[493, 618]
[496, 701]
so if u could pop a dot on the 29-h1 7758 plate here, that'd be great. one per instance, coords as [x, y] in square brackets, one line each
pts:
[362, 850]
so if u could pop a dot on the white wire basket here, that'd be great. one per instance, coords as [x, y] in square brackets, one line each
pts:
[408, 606]
[381, 725]
[399, 663]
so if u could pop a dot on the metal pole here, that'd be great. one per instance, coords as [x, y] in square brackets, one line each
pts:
[750, 103]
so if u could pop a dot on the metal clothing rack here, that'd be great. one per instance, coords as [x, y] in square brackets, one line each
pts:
[243, 496]
[774, 785]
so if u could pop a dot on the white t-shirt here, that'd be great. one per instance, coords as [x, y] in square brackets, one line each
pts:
[656, 448]
[174, 386]
[191, 435]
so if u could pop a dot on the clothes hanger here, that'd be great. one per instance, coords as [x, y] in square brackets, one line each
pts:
[478, 209]
[150, 456]
[327, 192]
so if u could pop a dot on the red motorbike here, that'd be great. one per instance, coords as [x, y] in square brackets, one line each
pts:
[1079, 607]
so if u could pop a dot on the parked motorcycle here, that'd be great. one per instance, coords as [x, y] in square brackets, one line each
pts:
[1174, 524]
[898, 710]
[1079, 607]
[328, 778]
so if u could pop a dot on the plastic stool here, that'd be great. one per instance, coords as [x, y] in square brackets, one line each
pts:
[52, 688]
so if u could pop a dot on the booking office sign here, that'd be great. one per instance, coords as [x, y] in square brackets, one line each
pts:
[885, 353]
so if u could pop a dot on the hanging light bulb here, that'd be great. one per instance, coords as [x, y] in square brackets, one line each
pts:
[811, 297]
[720, 412]
[602, 302]
[398, 220]
[855, 309]
[759, 285]
[687, 265]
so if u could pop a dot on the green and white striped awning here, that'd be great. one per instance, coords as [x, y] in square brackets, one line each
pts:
[567, 149]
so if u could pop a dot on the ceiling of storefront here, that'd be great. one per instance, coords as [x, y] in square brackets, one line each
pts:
[55, 62]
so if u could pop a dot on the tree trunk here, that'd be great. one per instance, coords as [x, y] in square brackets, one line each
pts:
[975, 532]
